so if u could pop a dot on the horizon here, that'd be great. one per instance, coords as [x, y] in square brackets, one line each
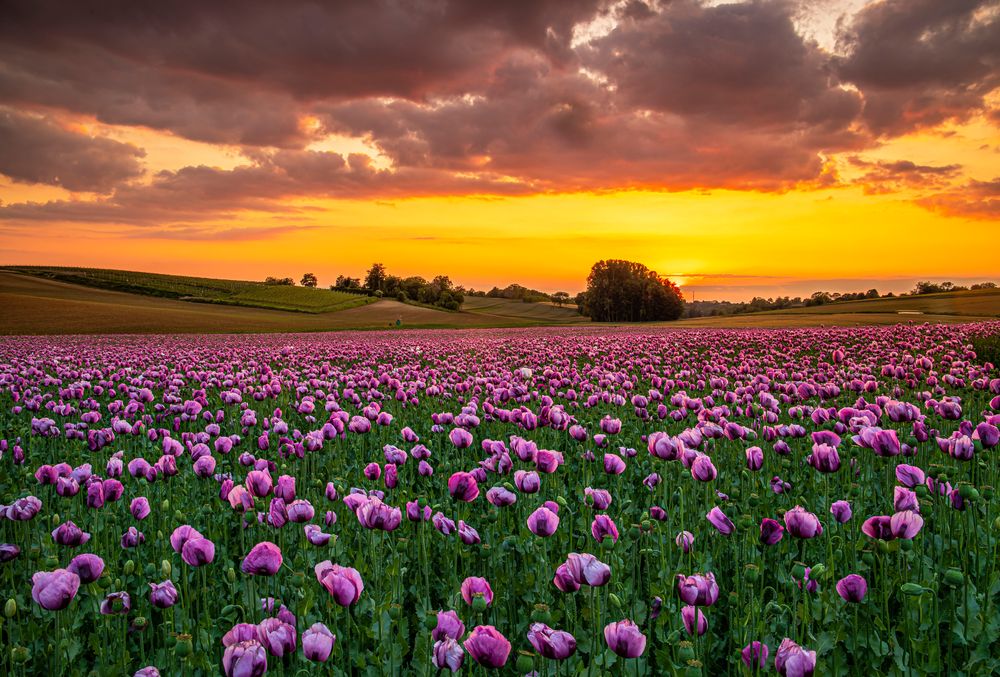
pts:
[516, 143]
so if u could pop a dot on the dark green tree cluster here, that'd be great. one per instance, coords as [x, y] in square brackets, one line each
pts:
[438, 292]
[625, 291]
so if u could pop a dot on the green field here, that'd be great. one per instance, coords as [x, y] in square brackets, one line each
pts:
[82, 301]
[202, 289]
[959, 306]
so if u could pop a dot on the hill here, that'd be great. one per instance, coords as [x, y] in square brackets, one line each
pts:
[38, 305]
[202, 289]
[959, 306]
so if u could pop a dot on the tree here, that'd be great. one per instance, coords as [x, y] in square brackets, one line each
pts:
[625, 291]
[344, 282]
[375, 278]
[285, 281]
[308, 280]
[560, 297]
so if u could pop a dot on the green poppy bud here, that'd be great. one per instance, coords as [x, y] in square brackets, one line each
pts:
[10, 608]
[798, 571]
[921, 491]
[561, 500]
[524, 663]
[183, 647]
[165, 568]
[615, 601]
[231, 575]
[954, 577]
[165, 505]
[129, 567]
[541, 614]
[55, 520]
[965, 490]
[912, 589]
[817, 571]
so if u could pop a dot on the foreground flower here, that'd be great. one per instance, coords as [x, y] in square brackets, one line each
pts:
[754, 655]
[277, 637]
[625, 639]
[718, 519]
[555, 644]
[88, 567]
[852, 588]
[448, 653]
[694, 620]
[245, 659]
[699, 589]
[198, 551]
[264, 559]
[791, 660]
[162, 595]
[475, 586]
[487, 646]
[448, 625]
[802, 524]
[343, 583]
[54, 590]
[116, 603]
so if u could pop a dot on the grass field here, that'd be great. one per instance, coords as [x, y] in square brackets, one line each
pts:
[202, 289]
[35, 305]
[542, 312]
[963, 306]
[31, 304]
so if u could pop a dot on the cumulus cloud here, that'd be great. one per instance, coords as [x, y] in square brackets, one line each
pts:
[36, 150]
[467, 98]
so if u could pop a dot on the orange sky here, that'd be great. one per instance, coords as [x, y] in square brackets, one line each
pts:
[838, 185]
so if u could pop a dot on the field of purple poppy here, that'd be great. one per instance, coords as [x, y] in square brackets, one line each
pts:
[572, 501]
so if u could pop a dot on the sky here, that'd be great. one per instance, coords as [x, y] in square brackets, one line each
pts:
[741, 149]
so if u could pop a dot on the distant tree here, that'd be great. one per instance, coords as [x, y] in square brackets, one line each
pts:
[308, 280]
[344, 282]
[872, 294]
[625, 291]
[280, 281]
[819, 298]
[984, 285]
[560, 297]
[375, 278]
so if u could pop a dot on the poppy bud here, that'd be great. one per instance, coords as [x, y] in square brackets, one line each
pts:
[10, 608]
[129, 567]
[524, 663]
[165, 568]
[183, 647]
[165, 506]
[751, 572]
[954, 577]
[615, 601]
[817, 571]
[912, 589]
[231, 575]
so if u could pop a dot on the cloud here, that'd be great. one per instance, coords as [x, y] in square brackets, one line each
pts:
[975, 200]
[893, 176]
[201, 193]
[919, 63]
[37, 150]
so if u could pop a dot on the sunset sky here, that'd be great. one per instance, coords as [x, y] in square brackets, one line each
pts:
[747, 148]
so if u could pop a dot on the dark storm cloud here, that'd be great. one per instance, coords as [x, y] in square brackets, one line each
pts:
[473, 98]
[36, 150]
[921, 62]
